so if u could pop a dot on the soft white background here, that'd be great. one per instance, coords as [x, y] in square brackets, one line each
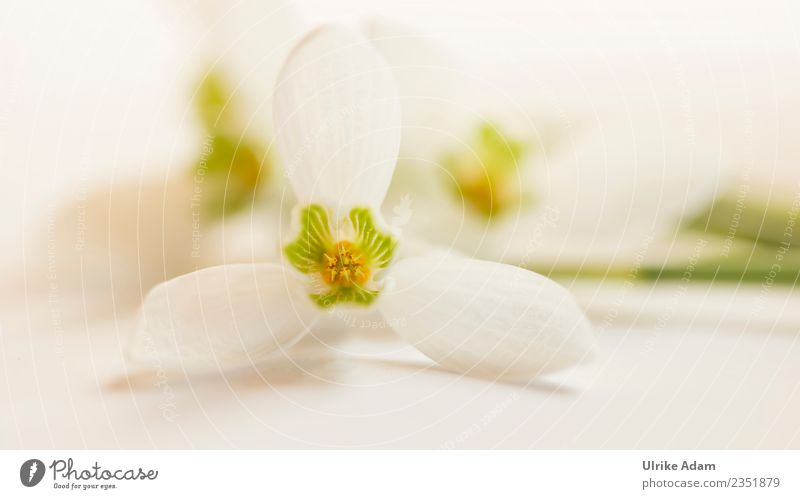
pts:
[94, 92]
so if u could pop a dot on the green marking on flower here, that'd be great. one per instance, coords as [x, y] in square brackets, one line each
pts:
[343, 263]
[377, 247]
[487, 175]
[353, 294]
[306, 252]
[232, 165]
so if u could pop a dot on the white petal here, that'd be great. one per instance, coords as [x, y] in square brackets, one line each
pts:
[221, 317]
[486, 318]
[337, 120]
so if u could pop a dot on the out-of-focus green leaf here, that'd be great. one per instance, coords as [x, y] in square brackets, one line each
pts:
[742, 236]
[697, 256]
[745, 215]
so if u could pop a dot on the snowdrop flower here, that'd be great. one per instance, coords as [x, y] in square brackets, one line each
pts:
[117, 241]
[454, 131]
[338, 124]
[242, 46]
[517, 188]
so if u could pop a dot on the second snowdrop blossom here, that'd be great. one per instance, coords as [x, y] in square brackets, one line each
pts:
[338, 126]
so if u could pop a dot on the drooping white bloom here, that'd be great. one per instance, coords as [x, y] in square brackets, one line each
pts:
[244, 44]
[515, 186]
[338, 125]
[118, 240]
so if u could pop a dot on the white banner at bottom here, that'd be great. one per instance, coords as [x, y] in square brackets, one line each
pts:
[401, 474]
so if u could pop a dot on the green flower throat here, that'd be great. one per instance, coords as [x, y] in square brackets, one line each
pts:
[342, 262]
[487, 174]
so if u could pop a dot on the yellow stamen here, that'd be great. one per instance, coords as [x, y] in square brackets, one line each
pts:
[345, 265]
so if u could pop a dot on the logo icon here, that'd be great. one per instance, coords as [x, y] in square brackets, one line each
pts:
[31, 472]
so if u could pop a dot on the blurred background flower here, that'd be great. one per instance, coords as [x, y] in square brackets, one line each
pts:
[187, 184]
[636, 188]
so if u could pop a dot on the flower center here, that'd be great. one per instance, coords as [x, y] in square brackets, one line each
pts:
[489, 195]
[342, 263]
[345, 265]
[487, 176]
